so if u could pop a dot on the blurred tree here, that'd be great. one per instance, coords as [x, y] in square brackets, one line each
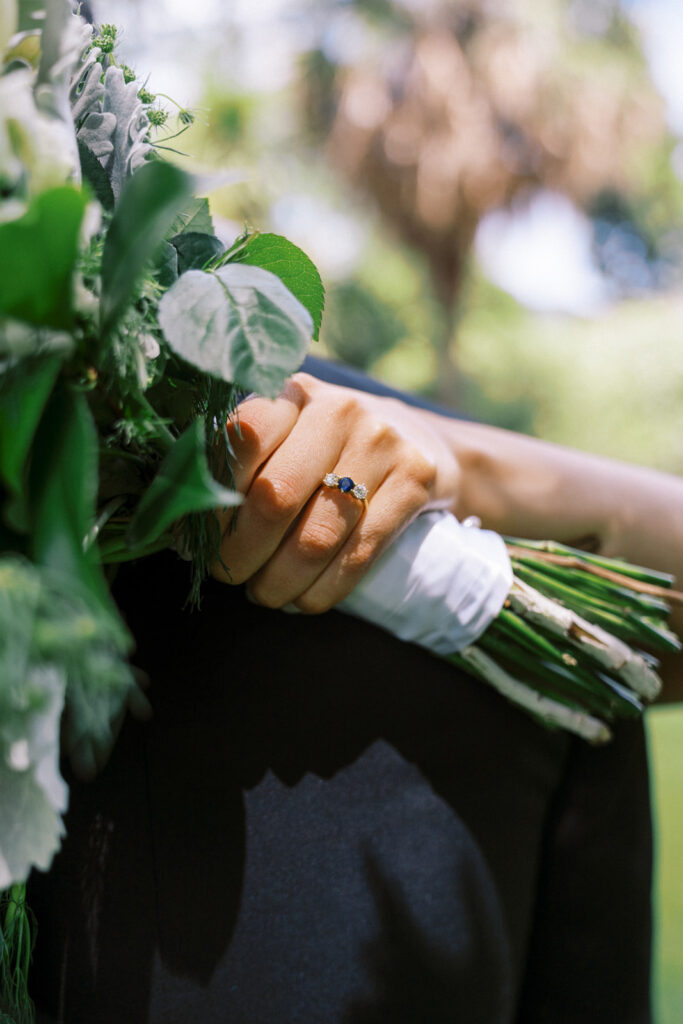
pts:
[465, 105]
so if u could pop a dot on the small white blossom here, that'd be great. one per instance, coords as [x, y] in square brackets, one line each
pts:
[150, 346]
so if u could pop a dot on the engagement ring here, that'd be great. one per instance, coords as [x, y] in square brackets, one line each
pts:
[346, 485]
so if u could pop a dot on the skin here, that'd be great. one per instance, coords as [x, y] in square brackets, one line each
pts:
[303, 544]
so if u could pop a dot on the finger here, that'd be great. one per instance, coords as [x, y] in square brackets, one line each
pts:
[395, 504]
[258, 428]
[316, 537]
[323, 528]
[279, 491]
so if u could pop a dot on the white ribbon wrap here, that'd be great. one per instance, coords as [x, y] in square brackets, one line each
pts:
[440, 584]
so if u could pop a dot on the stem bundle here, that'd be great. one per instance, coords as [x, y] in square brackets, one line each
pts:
[575, 643]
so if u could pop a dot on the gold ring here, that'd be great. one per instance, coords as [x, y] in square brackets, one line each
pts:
[346, 485]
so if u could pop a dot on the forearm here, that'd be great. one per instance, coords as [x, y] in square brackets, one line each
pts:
[530, 488]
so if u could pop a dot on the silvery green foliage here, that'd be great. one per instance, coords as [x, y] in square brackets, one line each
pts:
[130, 146]
[32, 791]
[93, 126]
[33, 794]
[87, 88]
[237, 323]
[64, 37]
[109, 117]
[52, 635]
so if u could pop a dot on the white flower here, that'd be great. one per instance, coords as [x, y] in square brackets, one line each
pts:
[150, 346]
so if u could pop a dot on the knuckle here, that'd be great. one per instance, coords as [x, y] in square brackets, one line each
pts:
[276, 500]
[312, 604]
[299, 388]
[303, 380]
[263, 595]
[380, 436]
[361, 555]
[422, 469]
[344, 405]
[226, 573]
[317, 541]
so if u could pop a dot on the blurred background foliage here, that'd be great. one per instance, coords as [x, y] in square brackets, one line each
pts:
[493, 192]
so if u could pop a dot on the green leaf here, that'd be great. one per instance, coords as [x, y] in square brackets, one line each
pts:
[147, 207]
[62, 490]
[37, 257]
[238, 323]
[292, 266]
[182, 485]
[23, 394]
[195, 250]
[197, 217]
[94, 173]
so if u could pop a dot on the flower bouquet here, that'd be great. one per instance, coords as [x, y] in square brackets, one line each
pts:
[127, 332]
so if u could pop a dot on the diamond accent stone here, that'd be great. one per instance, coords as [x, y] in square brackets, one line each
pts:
[360, 491]
[346, 484]
[331, 480]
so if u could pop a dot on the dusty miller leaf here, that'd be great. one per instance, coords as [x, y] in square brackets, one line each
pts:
[129, 138]
[86, 88]
[238, 323]
[97, 133]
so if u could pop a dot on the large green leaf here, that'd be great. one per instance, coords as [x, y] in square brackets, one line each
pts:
[147, 208]
[239, 323]
[37, 256]
[63, 488]
[182, 485]
[292, 266]
[23, 394]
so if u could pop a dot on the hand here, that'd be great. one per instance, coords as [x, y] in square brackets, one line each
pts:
[295, 541]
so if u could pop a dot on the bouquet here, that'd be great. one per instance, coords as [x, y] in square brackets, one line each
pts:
[128, 330]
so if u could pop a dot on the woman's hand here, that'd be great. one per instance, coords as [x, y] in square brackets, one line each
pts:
[298, 542]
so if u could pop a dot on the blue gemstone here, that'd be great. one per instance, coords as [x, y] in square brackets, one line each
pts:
[345, 484]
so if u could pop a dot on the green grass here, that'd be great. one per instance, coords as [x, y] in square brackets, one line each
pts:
[665, 728]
